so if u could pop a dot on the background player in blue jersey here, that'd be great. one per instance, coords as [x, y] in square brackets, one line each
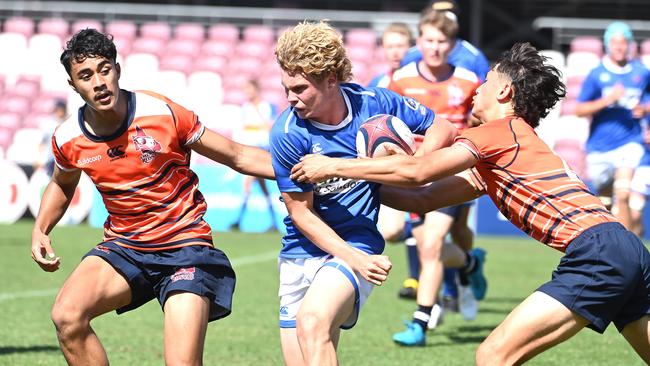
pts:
[395, 41]
[463, 54]
[613, 95]
[331, 255]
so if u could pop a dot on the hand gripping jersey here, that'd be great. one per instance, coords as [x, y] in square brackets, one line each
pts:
[614, 126]
[531, 186]
[450, 98]
[142, 173]
[348, 206]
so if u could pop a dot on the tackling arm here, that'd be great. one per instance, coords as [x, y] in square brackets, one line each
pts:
[441, 134]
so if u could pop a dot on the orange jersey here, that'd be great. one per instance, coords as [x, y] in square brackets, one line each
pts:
[450, 99]
[142, 172]
[531, 185]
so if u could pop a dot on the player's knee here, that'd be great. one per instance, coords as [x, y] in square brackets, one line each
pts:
[310, 327]
[490, 352]
[67, 318]
[430, 251]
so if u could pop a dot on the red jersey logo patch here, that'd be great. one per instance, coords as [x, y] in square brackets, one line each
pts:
[146, 145]
[186, 274]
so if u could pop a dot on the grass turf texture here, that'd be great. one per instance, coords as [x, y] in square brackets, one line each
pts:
[515, 267]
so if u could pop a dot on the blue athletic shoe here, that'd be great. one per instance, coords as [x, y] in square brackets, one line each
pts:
[412, 336]
[477, 279]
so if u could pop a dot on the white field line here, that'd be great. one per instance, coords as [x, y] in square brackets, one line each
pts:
[236, 262]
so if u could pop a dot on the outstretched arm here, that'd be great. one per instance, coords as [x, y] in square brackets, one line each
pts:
[398, 170]
[56, 198]
[242, 158]
[441, 134]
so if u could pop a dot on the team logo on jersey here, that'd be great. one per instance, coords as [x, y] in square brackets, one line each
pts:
[411, 103]
[103, 248]
[334, 185]
[316, 148]
[116, 152]
[186, 274]
[86, 161]
[146, 145]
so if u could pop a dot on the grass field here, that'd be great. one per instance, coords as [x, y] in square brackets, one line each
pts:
[515, 267]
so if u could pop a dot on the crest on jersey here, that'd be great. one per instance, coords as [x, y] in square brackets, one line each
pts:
[146, 145]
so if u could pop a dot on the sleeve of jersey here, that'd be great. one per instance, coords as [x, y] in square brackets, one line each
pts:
[481, 141]
[286, 152]
[59, 157]
[416, 116]
[589, 90]
[188, 126]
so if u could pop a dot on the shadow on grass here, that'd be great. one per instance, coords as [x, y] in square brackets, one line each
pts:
[5, 350]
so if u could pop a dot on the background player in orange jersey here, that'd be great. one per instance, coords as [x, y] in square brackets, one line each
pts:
[604, 275]
[135, 146]
[448, 90]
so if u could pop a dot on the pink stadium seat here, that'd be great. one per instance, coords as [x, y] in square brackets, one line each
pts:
[358, 54]
[277, 98]
[36, 120]
[57, 26]
[15, 104]
[361, 37]
[234, 96]
[26, 88]
[122, 29]
[80, 24]
[160, 30]
[223, 32]
[218, 48]
[123, 45]
[249, 67]
[259, 33]
[587, 44]
[6, 137]
[190, 31]
[572, 151]
[21, 25]
[186, 47]
[10, 121]
[154, 46]
[182, 63]
[254, 49]
[216, 64]
[270, 82]
[232, 81]
[44, 104]
[568, 107]
[645, 47]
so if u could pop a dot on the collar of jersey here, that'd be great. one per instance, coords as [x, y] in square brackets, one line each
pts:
[614, 68]
[130, 112]
[341, 124]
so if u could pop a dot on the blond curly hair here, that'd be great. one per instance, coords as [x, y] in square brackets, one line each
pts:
[314, 49]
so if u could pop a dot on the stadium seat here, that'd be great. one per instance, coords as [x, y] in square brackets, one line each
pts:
[205, 91]
[254, 49]
[216, 64]
[45, 47]
[123, 45]
[276, 97]
[6, 136]
[361, 37]
[645, 59]
[11, 63]
[587, 44]
[152, 46]
[359, 54]
[557, 59]
[15, 104]
[36, 120]
[581, 63]
[80, 24]
[57, 26]
[176, 62]
[25, 148]
[159, 30]
[185, 47]
[568, 107]
[233, 81]
[248, 67]
[218, 48]
[190, 31]
[572, 151]
[20, 25]
[223, 32]
[139, 71]
[122, 29]
[644, 48]
[26, 88]
[10, 121]
[172, 84]
[259, 34]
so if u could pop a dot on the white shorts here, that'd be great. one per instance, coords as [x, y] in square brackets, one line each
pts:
[641, 181]
[297, 274]
[601, 166]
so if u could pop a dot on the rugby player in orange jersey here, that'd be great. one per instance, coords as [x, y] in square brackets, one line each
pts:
[135, 147]
[604, 275]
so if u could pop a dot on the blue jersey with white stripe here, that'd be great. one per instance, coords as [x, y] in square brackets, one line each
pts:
[614, 126]
[464, 55]
[348, 206]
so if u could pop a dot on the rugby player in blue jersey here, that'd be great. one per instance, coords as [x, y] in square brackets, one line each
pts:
[331, 255]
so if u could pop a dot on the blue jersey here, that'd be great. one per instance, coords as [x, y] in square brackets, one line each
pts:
[381, 81]
[464, 55]
[349, 207]
[614, 125]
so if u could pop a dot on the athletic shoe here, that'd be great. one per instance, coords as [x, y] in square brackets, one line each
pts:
[409, 289]
[450, 304]
[437, 315]
[467, 303]
[412, 336]
[477, 279]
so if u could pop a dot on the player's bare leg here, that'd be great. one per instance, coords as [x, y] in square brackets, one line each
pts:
[621, 186]
[537, 324]
[93, 288]
[430, 244]
[327, 304]
[290, 347]
[186, 321]
[637, 335]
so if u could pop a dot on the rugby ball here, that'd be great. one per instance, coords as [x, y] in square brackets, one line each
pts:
[381, 130]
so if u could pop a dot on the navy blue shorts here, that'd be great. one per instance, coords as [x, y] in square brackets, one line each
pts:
[417, 219]
[604, 277]
[199, 269]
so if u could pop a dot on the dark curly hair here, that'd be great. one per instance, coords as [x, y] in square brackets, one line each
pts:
[88, 43]
[537, 85]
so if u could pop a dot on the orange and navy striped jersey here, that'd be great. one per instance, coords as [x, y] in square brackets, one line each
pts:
[450, 99]
[532, 186]
[142, 173]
